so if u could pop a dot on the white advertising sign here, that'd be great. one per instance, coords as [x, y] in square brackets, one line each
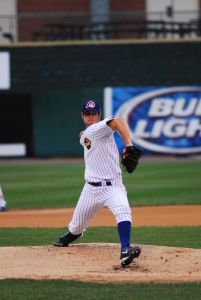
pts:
[4, 70]
[161, 119]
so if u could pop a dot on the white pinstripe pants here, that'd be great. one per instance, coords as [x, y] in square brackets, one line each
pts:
[94, 198]
[2, 200]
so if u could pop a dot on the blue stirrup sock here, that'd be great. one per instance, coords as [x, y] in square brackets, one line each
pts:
[124, 229]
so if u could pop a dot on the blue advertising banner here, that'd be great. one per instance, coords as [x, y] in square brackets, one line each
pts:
[161, 119]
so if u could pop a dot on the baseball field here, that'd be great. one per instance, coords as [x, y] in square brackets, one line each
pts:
[165, 195]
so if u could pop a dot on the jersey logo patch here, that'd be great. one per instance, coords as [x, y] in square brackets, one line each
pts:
[87, 143]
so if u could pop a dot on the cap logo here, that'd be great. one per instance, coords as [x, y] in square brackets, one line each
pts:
[90, 104]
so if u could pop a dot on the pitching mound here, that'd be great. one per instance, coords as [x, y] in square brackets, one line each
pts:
[100, 263]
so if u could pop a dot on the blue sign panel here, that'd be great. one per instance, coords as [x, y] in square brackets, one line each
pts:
[161, 120]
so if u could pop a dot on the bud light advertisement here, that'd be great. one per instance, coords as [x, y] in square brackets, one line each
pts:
[162, 120]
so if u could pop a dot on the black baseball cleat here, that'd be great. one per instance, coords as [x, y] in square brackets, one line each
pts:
[128, 254]
[59, 243]
[66, 239]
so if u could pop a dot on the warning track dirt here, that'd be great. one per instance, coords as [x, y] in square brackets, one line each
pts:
[180, 215]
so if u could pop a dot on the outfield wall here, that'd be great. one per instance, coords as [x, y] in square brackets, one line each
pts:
[56, 78]
[57, 121]
[82, 65]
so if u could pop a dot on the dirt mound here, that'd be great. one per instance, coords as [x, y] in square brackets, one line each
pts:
[100, 263]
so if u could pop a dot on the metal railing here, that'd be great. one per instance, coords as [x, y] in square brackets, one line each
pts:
[77, 26]
[117, 30]
[8, 28]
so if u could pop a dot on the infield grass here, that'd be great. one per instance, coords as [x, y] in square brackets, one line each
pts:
[34, 185]
[188, 237]
[60, 290]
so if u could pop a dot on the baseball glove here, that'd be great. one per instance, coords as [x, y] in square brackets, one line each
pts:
[130, 157]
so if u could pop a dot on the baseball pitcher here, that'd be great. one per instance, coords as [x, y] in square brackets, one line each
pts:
[103, 178]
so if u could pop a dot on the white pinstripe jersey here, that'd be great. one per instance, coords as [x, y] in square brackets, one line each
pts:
[100, 152]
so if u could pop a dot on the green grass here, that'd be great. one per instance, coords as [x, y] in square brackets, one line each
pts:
[24, 289]
[165, 183]
[59, 185]
[41, 185]
[188, 237]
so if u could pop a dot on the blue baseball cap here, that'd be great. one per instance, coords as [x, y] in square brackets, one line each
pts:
[91, 105]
